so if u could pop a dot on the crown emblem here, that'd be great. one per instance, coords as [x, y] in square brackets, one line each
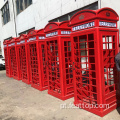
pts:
[31, 32]
[50, 27]
[81, 17]
[107, 14]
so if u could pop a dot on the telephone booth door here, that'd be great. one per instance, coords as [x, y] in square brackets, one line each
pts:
[43, 66]
[53, 66]
[24, 65]
[6, 58]
[36, 51]
[12, 54]
[94, 46]
[18, 70]
[10, 59]
[14, 58]
[41, 47]
[34, 63]
[18, 50]
[110, 75]
[59, 70]
[33, 59]
[85, 71]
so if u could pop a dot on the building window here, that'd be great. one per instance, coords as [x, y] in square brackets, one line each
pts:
[0, 48]
[26, 31]
[22, 5]
[65, 17]
[8, 38]
[5, 13]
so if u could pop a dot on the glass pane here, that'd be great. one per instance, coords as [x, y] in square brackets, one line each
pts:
[30, 2]
[17, 7]
[63, 18]
[21, 5]
[26, 3]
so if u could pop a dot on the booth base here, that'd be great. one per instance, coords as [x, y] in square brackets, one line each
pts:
[38, 87]
[99, 113]
[16, 78]
[26, 81]
[8, 75]
[61, 97]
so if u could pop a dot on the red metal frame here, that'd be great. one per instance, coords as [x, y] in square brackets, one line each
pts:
[19, 57]
[9, 59]
[94, 46]
[13, 59]
[59, 60]
[23, 58]
[7, 64]
[37, 59]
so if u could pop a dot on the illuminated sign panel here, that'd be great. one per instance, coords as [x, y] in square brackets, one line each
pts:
[52, 34]
[84, 26]
[107, 24]
[65, 32]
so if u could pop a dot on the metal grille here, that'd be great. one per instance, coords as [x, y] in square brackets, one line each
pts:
[110, 71]
[23, 64]
[19, 61]
[68, 67]
[13, 61]
[53, 66]
[34, 64]
[44, 67]
[6, 61]
[85, 73]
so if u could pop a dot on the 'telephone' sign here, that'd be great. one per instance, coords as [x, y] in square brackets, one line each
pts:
[107, 24]
[31, 39]
[52, 34]
[84, 26]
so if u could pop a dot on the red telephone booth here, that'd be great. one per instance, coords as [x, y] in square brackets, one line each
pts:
[7, 67]
[23, 58]
[59, 61]
[94, 44]
[13, 58]
[37, 60]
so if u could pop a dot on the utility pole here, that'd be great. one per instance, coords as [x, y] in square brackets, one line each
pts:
[14, 18]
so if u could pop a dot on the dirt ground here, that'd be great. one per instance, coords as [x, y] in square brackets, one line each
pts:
[19, 101]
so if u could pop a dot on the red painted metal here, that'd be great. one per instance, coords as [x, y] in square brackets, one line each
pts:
[13, 58]
[9, 59]
[23, 58]
[94, 46]
[19, 57]
[59, 61]
[37, 59]
[7, 64]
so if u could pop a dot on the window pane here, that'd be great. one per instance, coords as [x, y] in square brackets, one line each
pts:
[17, 6]
[21, 5]
[63, 18]
[5, 13]
[30, 2]
[26, 3]
[5, 18]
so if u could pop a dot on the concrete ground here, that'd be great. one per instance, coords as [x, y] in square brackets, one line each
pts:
[19, 101]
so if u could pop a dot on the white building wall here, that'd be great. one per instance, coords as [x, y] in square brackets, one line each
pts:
[41, 11]
[8, 29]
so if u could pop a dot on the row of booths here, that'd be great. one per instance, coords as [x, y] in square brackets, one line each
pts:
[71, 59]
